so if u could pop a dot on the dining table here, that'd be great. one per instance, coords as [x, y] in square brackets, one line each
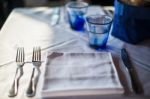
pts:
[30, 27]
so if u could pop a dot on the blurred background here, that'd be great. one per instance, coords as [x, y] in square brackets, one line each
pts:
[6, 6]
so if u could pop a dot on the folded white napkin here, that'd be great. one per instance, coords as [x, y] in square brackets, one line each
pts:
[79, 74]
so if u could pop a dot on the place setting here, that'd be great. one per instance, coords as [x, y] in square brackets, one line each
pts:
[71, 74]
[82, 53]
[75, 74]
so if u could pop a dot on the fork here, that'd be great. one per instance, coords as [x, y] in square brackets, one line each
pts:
[19, 71]
[36, 60]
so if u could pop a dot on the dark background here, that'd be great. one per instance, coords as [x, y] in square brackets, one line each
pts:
[6, 6]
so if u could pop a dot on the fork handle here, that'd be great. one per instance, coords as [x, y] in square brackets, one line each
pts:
[14, 88]
[31, 90]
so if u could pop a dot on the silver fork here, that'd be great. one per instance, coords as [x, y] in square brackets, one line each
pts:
[19, 71]
[36, 60]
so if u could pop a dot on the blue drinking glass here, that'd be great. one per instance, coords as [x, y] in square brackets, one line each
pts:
[76, 15]
[98, 27]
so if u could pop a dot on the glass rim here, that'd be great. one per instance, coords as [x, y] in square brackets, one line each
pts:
[99, 16]
[85, 4]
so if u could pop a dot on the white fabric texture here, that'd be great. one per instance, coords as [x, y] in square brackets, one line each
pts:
[29, 27]
[81, 71]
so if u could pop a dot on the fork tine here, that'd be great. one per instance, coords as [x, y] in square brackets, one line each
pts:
[17, 55]
[22, 54]
[36, 55]
[33, 56]
[39, 54]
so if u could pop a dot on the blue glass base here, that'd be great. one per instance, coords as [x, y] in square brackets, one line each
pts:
[76, 22]
[96, 47]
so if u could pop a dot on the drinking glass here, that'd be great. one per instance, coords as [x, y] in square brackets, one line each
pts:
[76, 14]
[98, 27]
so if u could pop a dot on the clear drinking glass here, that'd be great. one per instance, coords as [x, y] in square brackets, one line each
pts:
[76, 14]
[98, 27]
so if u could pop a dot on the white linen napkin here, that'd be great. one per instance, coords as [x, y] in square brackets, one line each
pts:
[80, 74]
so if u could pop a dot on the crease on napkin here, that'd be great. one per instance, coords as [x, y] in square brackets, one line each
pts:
[80, 72]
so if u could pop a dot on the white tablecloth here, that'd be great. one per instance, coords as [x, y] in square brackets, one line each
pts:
[30, 27]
